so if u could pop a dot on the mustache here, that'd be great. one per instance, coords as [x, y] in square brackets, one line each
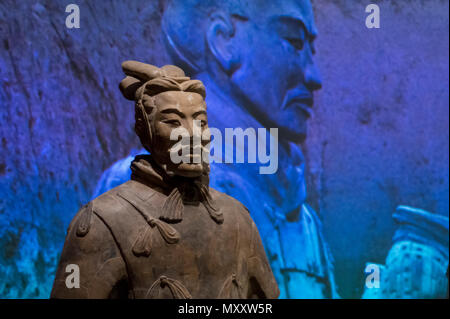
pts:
[301, 96]
[189, 148]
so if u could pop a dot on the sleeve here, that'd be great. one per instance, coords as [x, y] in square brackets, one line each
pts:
[91, 265]
[262, 281]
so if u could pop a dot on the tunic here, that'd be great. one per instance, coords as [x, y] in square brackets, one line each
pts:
[298, 252]
[125, 250]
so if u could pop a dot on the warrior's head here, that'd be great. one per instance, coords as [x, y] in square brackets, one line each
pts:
[259, 52]
[167, 100]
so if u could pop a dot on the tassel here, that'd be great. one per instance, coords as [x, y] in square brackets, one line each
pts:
[208, 202]
[84, 222]
[170, 234]
[176, 288]
[143, 244]
[230, 289]
[173, 208]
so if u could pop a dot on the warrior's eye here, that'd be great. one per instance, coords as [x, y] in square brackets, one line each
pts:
[172, 122]
[296, 43]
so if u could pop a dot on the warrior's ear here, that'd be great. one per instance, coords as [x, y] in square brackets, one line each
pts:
[219, 36]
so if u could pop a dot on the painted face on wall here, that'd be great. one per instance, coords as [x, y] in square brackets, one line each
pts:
[174, 110]
[277, 74]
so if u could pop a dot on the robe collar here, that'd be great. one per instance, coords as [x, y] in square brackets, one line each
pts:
[180, 190]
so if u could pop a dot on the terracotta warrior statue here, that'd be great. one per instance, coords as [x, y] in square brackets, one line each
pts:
[164, 233]
[257, 59]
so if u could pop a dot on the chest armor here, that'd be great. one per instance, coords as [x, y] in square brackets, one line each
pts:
[194, 258]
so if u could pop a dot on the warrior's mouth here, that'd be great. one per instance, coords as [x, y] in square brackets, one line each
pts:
[300, 98]
[190, 154]
[303, 103]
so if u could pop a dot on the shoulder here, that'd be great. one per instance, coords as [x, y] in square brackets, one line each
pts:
[226, 200]
[114, 200]
[233, 208]
[87, 234]
[110, 202]
[113, 208]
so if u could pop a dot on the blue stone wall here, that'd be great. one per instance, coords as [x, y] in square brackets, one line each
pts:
[63, 121]
[379, 137]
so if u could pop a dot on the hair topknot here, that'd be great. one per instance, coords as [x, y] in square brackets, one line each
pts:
[142, 78]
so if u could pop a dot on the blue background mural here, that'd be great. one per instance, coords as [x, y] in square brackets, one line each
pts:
[379, 137]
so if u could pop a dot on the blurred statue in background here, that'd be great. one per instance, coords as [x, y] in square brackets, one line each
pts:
[257, 60]
[165, 233]
[417, 264]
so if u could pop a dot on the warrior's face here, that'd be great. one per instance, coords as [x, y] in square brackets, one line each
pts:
[263, 49]
[278, 74]
[185, 111]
